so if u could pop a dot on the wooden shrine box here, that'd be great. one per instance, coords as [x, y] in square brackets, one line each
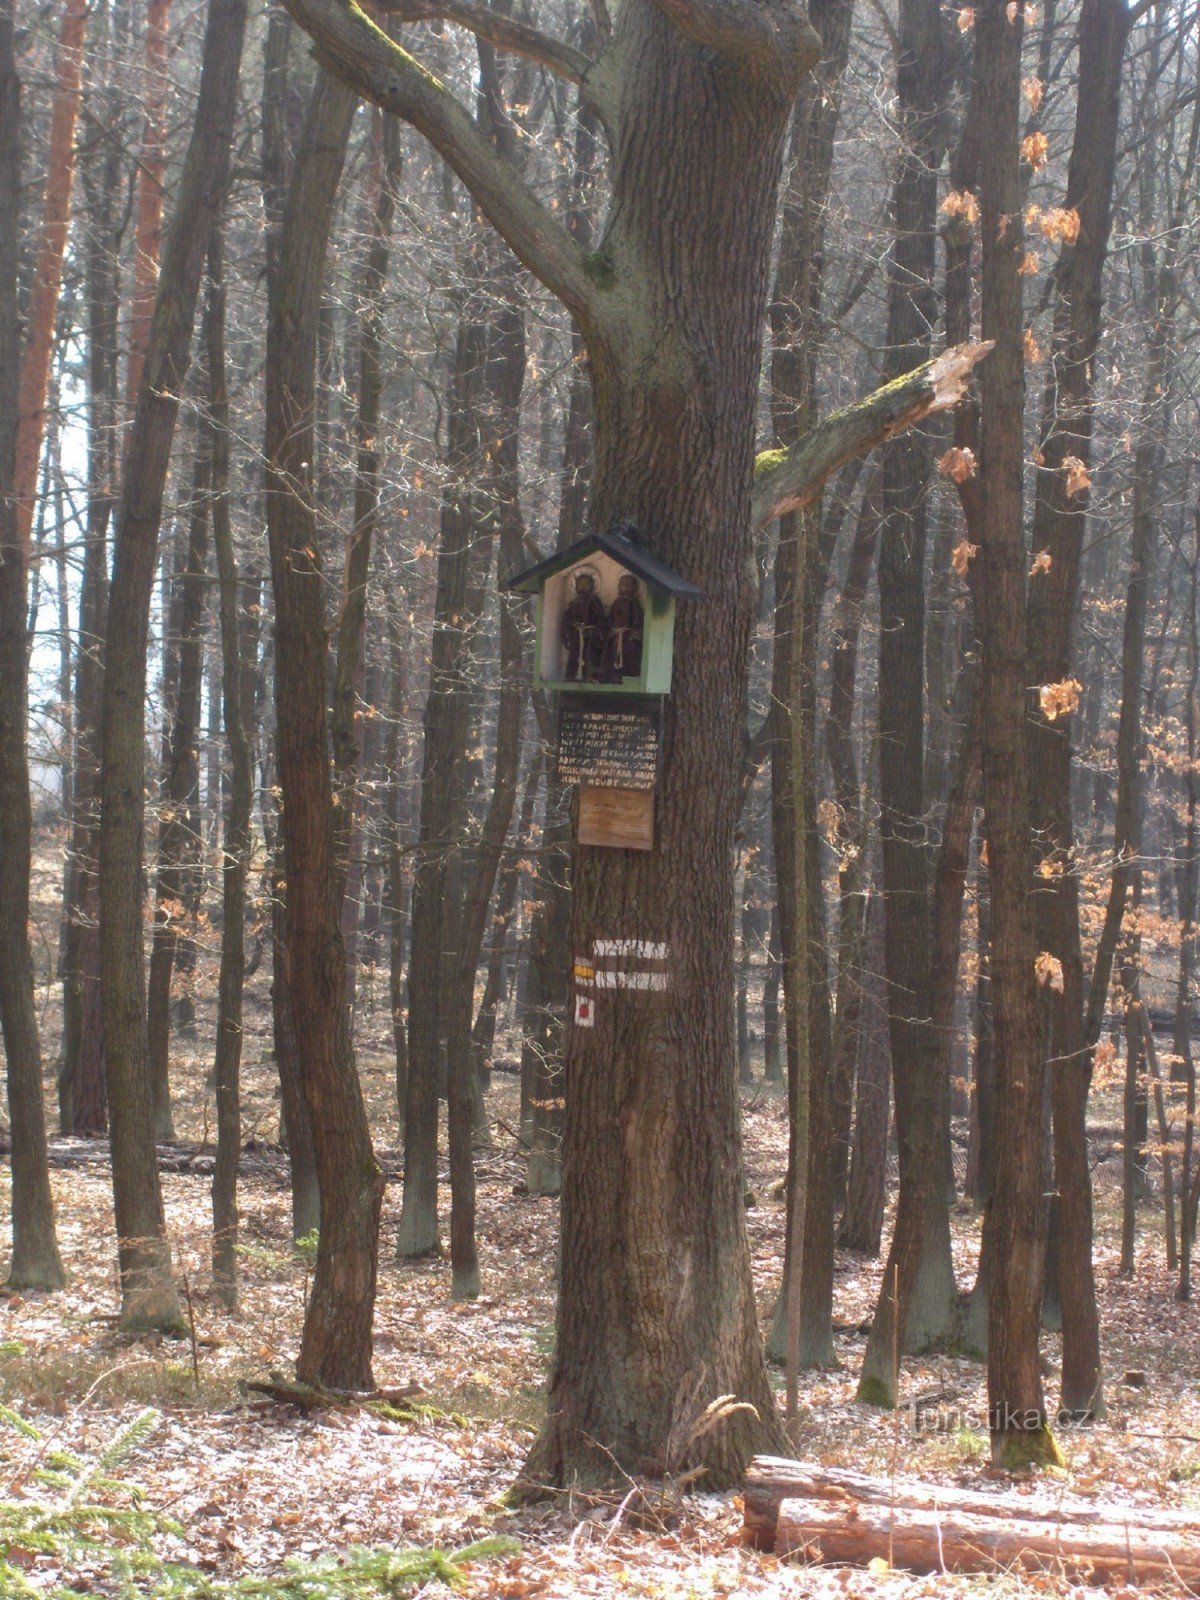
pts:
[608, 727]
[607, 557]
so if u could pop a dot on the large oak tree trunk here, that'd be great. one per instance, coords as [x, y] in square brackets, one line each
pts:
[655, 1274]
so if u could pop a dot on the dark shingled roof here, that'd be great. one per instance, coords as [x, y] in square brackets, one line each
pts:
[624, 549]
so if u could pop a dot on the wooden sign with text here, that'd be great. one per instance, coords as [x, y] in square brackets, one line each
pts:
[607, 745]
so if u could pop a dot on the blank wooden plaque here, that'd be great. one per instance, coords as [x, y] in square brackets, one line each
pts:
[621, 819]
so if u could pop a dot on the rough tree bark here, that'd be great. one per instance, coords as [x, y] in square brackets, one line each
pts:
[35, 1259]
[147, 1289]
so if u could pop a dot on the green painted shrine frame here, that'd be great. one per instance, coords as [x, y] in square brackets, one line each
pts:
[621, 548]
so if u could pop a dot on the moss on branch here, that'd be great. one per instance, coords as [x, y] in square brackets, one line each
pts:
[788, 480]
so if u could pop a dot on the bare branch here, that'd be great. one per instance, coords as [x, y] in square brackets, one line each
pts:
[787, 480]
[506, 34]
[350, 45]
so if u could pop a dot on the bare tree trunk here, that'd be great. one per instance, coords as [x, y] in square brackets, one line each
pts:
[345, 726]
[395, 883]
[238, 707]
[282, 115]
[336, 1344]
[42, 311]
[851, 840]
[1189, 1177]
[148, 1291]
[795, 328]
[1060, 515]
[483, 1034]
[83, 1097]
[465, 543]
[1016, 1406]
[181, 788]
[151, 177]
[916, 1302]
[861, 1227]
[35, 1258]
[506, 364]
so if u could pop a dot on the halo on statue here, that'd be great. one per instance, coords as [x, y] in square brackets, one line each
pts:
[586, 571]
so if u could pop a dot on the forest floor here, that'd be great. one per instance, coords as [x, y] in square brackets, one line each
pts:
[256, 1483]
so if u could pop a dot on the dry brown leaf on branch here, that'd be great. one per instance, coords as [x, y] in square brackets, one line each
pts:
[1035, 147]
[1042, 562]
[961, 555]
[1078, 478]
[1033, 350]
[828, 819]
[961, 203]
[1060, 223]
[1049, 971]
[1030, 263]
[966, 19]
[1059, 699]
[1033, 89]
[958, 463]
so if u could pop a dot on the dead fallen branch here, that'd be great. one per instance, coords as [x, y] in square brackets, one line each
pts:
[312, 1397]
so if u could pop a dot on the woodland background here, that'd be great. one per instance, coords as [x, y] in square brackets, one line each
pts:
[413, 409]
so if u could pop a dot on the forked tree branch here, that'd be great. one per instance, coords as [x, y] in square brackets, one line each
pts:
[508, 35]
[787, 480]
[350, 45]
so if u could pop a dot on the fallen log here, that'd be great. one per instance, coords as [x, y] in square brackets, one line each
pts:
[771, 1480]
[933, 1539]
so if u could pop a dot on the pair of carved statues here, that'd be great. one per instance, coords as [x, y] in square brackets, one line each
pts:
[603, 644]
